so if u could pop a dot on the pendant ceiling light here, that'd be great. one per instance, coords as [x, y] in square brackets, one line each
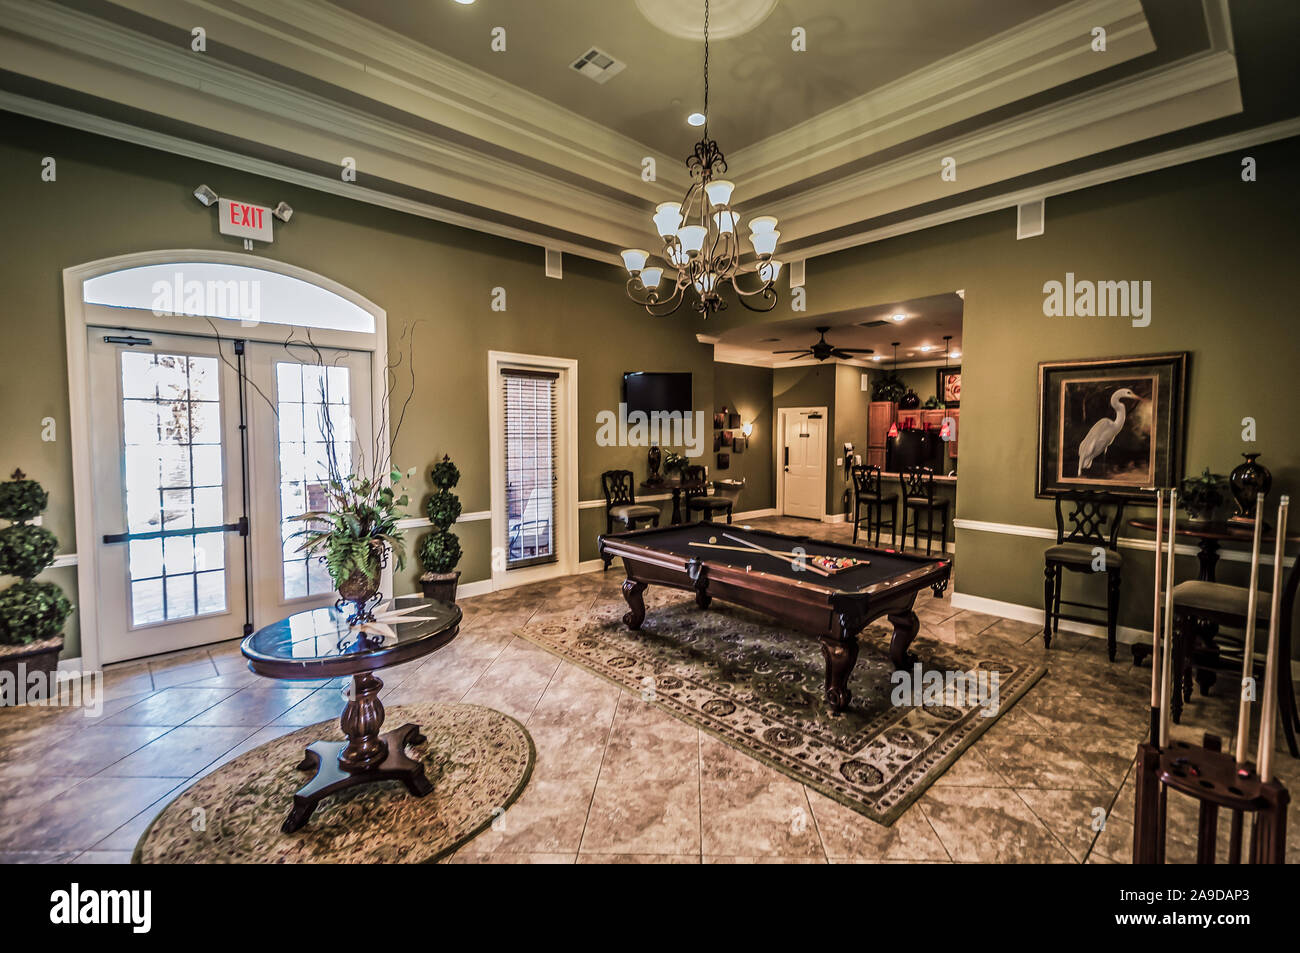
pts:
[701, 239]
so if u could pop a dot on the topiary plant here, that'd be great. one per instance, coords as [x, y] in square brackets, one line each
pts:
[29, 611]
[440, 551]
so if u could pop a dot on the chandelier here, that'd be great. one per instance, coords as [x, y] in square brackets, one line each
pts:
[700, 236]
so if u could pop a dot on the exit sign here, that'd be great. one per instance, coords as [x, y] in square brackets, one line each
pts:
[244, 221]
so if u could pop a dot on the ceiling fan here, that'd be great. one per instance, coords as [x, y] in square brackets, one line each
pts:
[823, 349]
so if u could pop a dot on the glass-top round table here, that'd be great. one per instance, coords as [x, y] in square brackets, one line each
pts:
[318, 643]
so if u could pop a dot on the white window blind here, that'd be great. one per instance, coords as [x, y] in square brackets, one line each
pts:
[530, 436]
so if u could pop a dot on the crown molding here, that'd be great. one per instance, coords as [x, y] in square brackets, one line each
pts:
[1285, 129]
[1040, 54]
[1187, 93]
[70, 49]
[100, 59]
[124, 132]
[338, 47]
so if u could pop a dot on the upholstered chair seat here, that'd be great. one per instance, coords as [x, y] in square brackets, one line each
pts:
[630, 511]
[1082, 554]
[1219, 597]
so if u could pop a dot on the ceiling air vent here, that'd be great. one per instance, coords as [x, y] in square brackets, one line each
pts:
[598, 65]
[873, 324]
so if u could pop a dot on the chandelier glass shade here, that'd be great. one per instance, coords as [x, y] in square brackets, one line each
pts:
[700, 237]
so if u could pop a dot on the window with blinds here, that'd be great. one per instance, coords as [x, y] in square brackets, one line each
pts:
[530, 435]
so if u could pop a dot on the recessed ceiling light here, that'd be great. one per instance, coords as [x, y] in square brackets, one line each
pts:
[696, 119]
[925, 347]
[877, 357]
[956, 353]
[466, 2]
[899, 317]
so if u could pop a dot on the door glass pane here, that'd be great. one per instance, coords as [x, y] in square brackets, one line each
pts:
[314, 407]
[171, 444]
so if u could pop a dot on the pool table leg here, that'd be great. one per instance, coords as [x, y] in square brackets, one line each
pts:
[632, 591]
[841, 655]
[906, 625]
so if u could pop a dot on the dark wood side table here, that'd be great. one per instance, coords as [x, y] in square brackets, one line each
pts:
[318, 643]
[675, 487]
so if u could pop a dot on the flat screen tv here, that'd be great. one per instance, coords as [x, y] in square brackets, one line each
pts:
[648, 391]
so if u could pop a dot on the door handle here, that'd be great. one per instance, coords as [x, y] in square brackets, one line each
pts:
[240, 527]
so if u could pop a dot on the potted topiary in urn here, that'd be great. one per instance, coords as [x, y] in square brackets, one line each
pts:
[440, 550]
[31, 613]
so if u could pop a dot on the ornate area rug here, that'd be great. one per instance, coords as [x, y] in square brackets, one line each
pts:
[760, 688]
[478, 760]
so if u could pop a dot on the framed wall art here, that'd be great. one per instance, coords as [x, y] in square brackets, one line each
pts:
[1114, 424]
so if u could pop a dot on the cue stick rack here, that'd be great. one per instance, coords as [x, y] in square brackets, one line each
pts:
[1219, 781]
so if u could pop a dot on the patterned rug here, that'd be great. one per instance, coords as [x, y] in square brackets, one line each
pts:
[760, 689]
[477, 759]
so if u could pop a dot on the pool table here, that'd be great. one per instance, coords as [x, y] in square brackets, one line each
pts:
[834, 608]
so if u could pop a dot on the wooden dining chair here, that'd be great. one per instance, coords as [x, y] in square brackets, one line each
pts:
[1086, 541]
[621, 505]
[697, 496]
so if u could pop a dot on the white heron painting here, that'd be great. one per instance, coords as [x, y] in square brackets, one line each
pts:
[1105, 435]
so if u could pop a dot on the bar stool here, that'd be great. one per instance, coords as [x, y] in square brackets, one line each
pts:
[918, 498]
[867, 491]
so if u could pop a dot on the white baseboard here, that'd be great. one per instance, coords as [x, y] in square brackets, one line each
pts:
[755, 514]
[835, 518]
[1013, 610]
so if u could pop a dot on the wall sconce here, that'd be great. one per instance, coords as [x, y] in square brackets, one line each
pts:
[748, 429]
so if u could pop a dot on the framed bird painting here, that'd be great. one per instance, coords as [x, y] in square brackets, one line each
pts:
[1114, 424]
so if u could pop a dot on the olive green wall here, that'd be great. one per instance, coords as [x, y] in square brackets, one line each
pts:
[748, 392]
[1220, 254]
[810, 387]
[111, 198]
[850, 427]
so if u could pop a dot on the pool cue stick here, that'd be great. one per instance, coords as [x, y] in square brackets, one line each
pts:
[745, 549]
[784, 554]
[806, 565]
[1167, 664]
[1268, 706]
[1248, 648]
[1155, 620]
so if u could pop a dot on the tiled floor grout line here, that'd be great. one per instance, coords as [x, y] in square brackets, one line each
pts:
[604, 751]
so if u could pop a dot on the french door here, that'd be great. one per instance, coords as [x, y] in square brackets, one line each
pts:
[202, 456]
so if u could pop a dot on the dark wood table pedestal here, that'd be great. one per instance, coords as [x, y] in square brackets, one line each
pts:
[366, 757]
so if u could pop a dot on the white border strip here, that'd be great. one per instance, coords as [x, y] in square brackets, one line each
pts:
[1142, 545]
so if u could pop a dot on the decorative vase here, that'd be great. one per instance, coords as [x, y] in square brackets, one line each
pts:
[1246, 480]
[655, 457]
[360, 591]
[440, 585]
[909, 401]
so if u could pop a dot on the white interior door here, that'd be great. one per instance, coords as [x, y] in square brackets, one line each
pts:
[803, 474]
[297, 396]
[168, 487]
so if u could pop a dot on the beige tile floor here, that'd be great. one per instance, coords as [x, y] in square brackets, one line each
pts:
[617, 780]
